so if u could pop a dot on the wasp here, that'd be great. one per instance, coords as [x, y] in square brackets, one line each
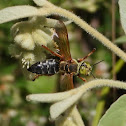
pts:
[63, 62]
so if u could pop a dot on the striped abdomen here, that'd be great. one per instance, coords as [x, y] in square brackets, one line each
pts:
[46, 67]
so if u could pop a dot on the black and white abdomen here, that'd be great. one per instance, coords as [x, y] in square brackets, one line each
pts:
[46, 67]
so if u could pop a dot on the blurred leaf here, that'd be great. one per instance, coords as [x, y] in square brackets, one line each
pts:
[100, 106]
[85, 5]
[5, 3]
[116, 114]
[8, 69]
[44, 84]
[57, 1]
[90, 6]
[119, 65]
[121, 40]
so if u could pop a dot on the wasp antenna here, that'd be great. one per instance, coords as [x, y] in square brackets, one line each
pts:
[97, 63]
[93, 75]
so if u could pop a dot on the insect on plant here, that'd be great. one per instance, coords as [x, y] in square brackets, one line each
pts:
[63, 62]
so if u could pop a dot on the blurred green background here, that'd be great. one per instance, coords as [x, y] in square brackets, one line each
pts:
[14, 87]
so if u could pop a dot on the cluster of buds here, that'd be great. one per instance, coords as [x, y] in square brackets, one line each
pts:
[29, 36]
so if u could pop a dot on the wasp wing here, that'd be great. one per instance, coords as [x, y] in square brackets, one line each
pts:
[61, 39]
[66, 82]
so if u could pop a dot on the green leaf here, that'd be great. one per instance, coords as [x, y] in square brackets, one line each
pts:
[43, 84]
[116, 114]
[121, 40]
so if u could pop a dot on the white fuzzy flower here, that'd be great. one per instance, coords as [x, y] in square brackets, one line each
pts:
[30, 33]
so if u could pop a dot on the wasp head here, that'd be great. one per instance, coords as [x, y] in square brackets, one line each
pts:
[85, 68]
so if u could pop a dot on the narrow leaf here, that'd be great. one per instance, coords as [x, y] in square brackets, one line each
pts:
[49, 98]
[60, 107]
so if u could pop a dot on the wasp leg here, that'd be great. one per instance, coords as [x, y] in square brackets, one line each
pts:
[81, 78]
[79, 60]
[36, 76]
[55, 54]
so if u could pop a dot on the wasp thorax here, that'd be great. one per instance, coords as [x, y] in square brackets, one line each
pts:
[85, 69]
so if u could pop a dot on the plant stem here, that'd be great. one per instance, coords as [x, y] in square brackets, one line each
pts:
[113, 38]
[64, 13]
